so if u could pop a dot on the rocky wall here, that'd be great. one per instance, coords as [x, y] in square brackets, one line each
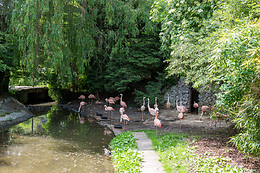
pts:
[184, 93]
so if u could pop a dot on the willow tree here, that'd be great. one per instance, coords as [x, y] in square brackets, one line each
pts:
[70, 42]
[56, 38]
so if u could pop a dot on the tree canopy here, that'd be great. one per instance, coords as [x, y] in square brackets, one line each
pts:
[217, 43]
[80, 44]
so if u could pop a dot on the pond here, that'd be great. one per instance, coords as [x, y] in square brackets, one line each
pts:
[56, 141]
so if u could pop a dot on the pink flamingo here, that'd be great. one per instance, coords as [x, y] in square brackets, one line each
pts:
[217, 116]
[152, 111]
[109, 109]
[181, 116]
[195, 105]
[82, 103]
[184, 109]
[156, 105]
[125, 118]
[204, 109]
[91, 96]
[157, 122]
[179, 108]
[122, 103]
[168, 104]
[117, 98]
[121, 111]
[110, 100]
[81, 119]
[143, 108]
[81, 97]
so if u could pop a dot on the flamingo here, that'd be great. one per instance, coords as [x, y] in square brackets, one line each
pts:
[152, 111]
[156, 105]
[218, 116]
[168, 104]
[184, 109]
[82, 103]
[109, 109]
[196, 106]
[110, 100]
[155, 102]
[81, 119]
[91, 96]
[117, 98]
[122, 103]
[204, 109]
[121, 111]
[179, 108]
[157, 122]
[125, 118]
[81, 97]
[143, 108]
[181, 116]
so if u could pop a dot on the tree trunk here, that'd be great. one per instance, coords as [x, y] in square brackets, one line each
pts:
[4, 82]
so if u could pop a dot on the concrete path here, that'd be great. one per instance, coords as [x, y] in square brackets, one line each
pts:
[151, 162]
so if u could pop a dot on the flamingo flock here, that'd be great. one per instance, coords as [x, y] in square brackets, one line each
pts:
[153, 111]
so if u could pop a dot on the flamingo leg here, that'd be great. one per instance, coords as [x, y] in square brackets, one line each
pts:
[142, 116]
[180, 127]
[201, 115]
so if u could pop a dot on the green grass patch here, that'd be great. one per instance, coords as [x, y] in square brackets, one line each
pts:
[172, 150]
[2, 115]
[124, 153]
[176, 155]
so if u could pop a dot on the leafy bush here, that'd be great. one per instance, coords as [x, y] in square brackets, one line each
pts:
[125, 156]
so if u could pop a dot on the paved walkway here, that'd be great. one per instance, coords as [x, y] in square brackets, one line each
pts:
[151, 162]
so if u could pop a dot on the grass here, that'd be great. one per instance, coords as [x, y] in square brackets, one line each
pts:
[174, 151]
[176, 155]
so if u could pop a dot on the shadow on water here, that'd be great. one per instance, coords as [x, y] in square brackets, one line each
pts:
[55, 141]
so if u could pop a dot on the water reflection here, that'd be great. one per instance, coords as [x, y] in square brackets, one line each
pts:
[60, 142]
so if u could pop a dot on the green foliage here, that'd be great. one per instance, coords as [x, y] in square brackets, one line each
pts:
[125, 156]
[87, 45]
[176, 155]
[204, 163]
[138, 64]
[185, 27]
[153, 89]
[235, 65]
[217, 43]
[2, 115]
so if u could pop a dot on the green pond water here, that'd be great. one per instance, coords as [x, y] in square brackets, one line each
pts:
[55, 141]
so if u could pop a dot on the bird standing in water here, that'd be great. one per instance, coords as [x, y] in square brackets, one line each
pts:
[82, 103]
[125, 118]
